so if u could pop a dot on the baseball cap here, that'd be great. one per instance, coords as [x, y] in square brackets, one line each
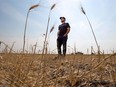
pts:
[62, 17]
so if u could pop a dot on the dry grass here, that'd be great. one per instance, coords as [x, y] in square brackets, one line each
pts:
[26, 70]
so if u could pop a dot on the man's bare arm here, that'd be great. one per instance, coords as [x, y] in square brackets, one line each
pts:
[68, 30]
[58, 33]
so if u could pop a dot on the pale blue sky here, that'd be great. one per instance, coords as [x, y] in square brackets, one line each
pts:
[102, 14]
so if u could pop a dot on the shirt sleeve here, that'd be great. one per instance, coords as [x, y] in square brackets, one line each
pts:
[68, 26]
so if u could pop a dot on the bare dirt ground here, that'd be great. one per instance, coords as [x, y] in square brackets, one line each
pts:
[27, 70]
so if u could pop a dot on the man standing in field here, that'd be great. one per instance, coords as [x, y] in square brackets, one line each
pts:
[62, 34]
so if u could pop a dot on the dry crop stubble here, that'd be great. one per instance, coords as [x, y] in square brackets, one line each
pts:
[26, 71]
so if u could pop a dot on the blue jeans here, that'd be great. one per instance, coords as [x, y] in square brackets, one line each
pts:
[61, 40]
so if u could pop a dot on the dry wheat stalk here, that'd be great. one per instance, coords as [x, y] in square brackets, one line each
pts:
[32, 7]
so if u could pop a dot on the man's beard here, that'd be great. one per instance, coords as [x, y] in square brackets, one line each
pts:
[63, 21]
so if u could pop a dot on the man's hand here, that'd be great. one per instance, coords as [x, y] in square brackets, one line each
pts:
[65, 35]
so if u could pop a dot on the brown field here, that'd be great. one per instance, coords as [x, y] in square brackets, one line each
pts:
[28, 70]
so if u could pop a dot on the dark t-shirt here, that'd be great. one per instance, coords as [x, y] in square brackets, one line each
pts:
[63, 28]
